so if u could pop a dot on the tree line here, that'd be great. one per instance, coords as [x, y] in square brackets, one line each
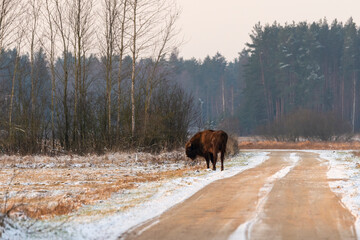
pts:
[217, 88]
[285, 70]
[296, 66]
[85, 75]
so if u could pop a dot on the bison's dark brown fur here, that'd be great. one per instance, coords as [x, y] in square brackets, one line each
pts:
[207, 144]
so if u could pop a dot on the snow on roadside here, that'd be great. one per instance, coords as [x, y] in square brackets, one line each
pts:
[134, 206]
[244, 230]
[344, 176]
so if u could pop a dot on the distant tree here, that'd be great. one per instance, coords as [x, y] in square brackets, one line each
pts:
[349, 71]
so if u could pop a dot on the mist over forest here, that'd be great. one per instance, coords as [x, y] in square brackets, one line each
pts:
[57, 95]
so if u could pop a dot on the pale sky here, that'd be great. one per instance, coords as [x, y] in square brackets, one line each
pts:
[210, 26]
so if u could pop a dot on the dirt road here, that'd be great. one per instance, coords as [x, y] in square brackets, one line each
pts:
[286, 197]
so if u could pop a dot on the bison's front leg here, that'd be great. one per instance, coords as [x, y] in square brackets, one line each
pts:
[213, 160]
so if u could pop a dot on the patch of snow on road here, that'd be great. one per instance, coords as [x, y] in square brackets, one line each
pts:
[244, 230]
[135, 206]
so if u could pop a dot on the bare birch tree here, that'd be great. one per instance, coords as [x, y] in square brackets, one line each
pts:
[147, 18]
[33, 16]
[51, 35]
[10, 10]
[111, 12]
[162, 46]
[81, 23]
[62, 26]
[19, 42]
[122, 44]
[134, 52]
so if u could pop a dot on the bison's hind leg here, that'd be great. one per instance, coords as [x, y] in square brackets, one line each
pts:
[207, 161]
[222, 160]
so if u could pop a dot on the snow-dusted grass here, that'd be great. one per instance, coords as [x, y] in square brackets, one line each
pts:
[108, 219]
[47, 186]
[344, 176]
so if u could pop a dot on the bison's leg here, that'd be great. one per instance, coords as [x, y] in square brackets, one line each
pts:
[214, 160]
[207, 161]
[211, 158]
[222, 160]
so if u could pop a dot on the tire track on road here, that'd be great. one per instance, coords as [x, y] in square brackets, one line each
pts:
[302, 206]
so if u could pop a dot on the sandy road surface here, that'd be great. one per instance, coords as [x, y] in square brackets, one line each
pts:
[279, 199]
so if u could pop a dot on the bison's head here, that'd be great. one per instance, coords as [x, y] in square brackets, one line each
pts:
[190, 150]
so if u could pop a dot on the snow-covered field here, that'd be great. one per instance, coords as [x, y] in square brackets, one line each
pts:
[109, 218]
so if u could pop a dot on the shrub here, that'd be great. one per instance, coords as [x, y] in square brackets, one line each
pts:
[306, 125]
[232, 146]
[170, 116]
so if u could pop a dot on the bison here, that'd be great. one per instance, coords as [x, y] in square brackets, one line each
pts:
[207, 144]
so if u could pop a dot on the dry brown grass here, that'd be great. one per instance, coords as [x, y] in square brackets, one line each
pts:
[72, 198]
[299, 145]
[43, 192]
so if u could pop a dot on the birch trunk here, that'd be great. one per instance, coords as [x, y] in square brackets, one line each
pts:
[354, 103]
[12, 96]
[134, 38]
[121, 52]
[52, 69]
